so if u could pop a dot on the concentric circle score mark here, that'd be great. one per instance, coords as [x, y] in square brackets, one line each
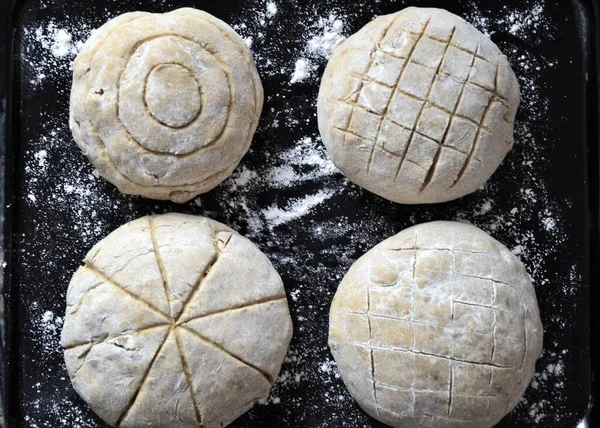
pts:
[172, 95]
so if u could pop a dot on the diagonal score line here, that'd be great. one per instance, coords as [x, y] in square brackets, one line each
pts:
[88, 265]
[436, 157]
[236, 307]
[229, 353]
[159, 261]
[144, 378]
[396, 88]
[188, 375]
[479, 129]
[370, 64]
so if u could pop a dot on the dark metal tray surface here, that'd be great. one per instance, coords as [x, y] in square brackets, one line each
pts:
[287, 197]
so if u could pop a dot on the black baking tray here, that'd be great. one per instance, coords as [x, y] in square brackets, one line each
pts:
[42, 248]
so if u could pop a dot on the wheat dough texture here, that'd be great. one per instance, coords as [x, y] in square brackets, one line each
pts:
[165, 105]
[437, 326]
[174, 321]
[418, 106]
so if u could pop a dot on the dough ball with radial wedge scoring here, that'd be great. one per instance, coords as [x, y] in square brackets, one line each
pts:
[418, 107]
[437, 327]
[175, 321]
[165, 105]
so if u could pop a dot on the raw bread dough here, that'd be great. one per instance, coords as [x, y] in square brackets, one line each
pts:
[437, 326]
[418, 107]
[175, 321]
[165, 105]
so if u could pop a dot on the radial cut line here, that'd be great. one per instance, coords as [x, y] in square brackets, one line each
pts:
[88, 264]
[238, 307]
[108, 337]
[225, 351]
[188, 375]
[159, 261]
[202, 277]
[144, 378]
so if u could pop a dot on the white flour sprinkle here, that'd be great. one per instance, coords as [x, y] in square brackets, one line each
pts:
[299, 166]
[325, 36]
[302, 70]
[271, 8]
[299, 207]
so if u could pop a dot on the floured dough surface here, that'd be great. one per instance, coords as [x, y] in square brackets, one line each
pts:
[165, 105]
[437, 326]
[175, 320]
[418, 106]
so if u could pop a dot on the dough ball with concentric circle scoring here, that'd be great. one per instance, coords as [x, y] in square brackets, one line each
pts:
[175, 321]
[165, 105]
[418, 107]
[437, 327]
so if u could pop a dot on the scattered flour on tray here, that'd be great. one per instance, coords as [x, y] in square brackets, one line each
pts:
[302, 167]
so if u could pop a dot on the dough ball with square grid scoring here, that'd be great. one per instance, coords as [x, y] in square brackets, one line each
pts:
[418, 107]
[175, 321]
[165, 105]
[437, 326]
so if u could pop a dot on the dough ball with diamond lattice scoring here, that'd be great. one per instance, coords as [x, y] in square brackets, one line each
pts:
[165, 105]
[175, 321]
[437, 326]
[418, 107]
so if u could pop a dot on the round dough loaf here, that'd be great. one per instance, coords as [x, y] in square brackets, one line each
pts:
[175, 321]
[165, 105]
[418, 107]
[437, 326]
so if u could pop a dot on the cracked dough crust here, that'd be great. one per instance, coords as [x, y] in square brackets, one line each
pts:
[165, 105]
[437, 326]
[175, 320]
[418, 107]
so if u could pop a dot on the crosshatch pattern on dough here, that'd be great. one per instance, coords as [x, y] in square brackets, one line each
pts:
[427, 105]
[164, 330]
[447, 332]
